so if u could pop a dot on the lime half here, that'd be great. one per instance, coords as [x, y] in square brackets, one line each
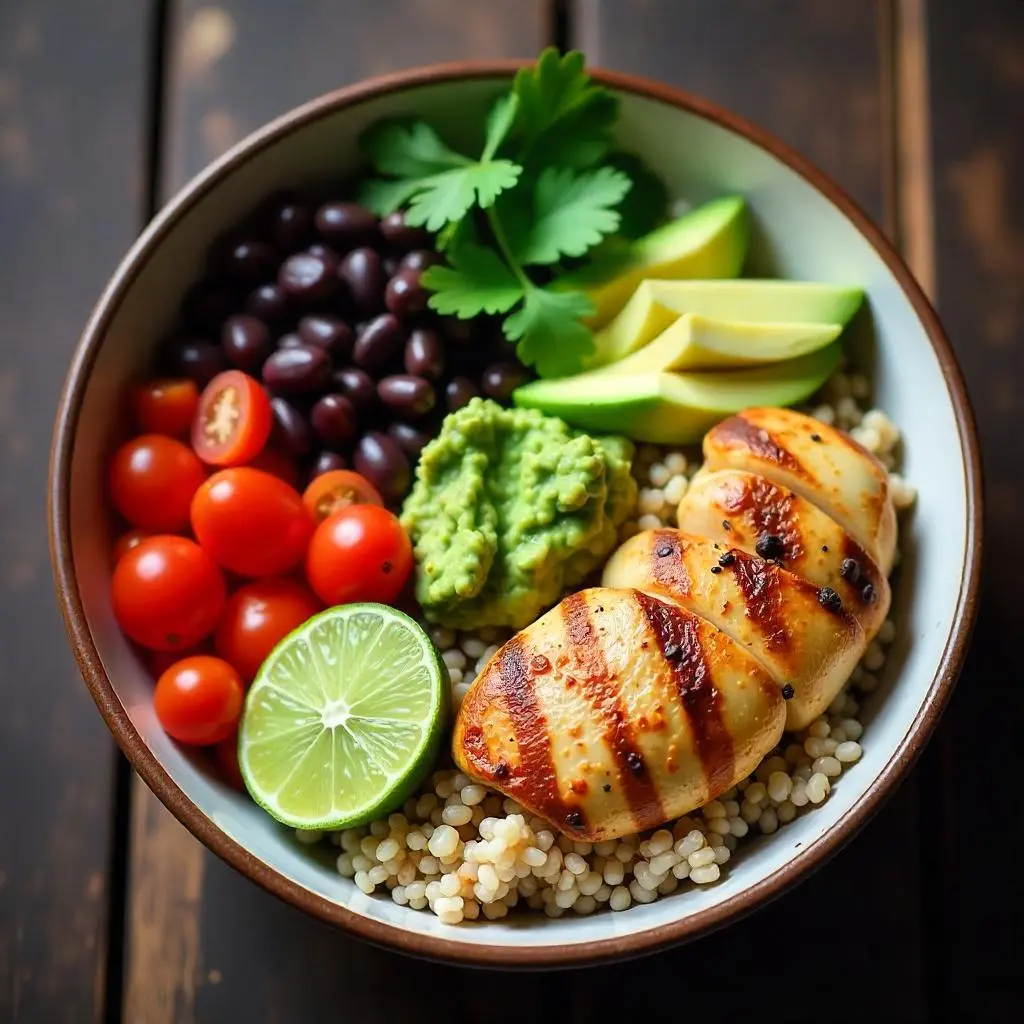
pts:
[344, 719]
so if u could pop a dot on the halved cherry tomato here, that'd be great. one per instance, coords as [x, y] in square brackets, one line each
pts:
[257, 617]
[166, 406]
[233, 420]
[337, 489]
[225, 754]
[250, 522]
[167, 593]
[152, 481]
[127, 541]
[198, 700]
[271, 461]
[359, 554]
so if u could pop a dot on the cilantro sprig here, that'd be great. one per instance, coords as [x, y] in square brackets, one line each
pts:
[547, 188]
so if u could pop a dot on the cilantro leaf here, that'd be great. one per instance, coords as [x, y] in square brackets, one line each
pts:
[404, 149]
[572, 212]
[383, 196]
[646, 203]
[499, 122]
[549, 333]
[476, 282]
[448, 197]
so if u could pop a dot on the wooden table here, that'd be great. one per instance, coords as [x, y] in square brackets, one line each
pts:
[108, 908]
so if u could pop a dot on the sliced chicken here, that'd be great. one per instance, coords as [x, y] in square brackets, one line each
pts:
[822, 464]
[748, 511]
[803, 635]
[617, 711]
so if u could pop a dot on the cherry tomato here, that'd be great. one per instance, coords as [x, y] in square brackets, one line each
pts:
[167, 593]
[257, 617]
[335, 490]
[198, 700]
[250, 522]
[225, 754]
[127, 541]
[165, 406]
[233, 420]
[152, 480]
[277, 464]
[359, 554]
[158, 662]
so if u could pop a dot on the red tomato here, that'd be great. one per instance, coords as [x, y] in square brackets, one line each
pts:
[158, 662]
[225, 754]
[198, 700]
[337, 489]
[250, 522]
[277, 464]
[165, 406]
[233, 420]
[167, 593]
[359, 554]
[152, 480]
[128, 541]
[257, 617]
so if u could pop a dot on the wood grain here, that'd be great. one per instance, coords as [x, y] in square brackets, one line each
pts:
[816, 75]
[976, 85]
[72, 98]
[232, 67]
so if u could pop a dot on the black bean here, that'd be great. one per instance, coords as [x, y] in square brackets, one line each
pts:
[334, 336]
[384, 464]
[499, 380]
[290, 340]
[458, 393]
[362, 272]
[390, 266]
[404, 295]
[410, 439]
[326, 462]
[407, 396]
[249, 261]
[207, 306]
[290, 430]
[379, 342]
[424, 354]
[298, 370]
[334, 421]
[358, 387]
[268, 302]
[196, 359]
[399, 234]
[420, 259]
[292, 225]
[456, 331]
[246, 341]
[308, 276]
[317, 249]
[346, 224]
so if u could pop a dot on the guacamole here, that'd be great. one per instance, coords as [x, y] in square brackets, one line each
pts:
[509, 508]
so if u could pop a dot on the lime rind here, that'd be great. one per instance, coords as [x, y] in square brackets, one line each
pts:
[344, 719]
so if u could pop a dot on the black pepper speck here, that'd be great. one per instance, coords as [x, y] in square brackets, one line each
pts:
[788, 691]
[501, 770]
[671, 651]
[769, 545]
[727, 559]
[830, 600]
[574, 819]
[716, 569]
[850, 570]
[634, 762]
[607, 787]
[867, 594]
[816, 438]
[664, 551]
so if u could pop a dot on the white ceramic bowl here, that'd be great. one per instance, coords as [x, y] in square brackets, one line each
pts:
[806, 228]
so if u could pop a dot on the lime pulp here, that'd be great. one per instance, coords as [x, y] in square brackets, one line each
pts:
[344, 719]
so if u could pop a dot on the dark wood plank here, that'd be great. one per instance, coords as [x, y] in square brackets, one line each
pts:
[975, 76]
[815, 74]
[72, 130]
[195, 927]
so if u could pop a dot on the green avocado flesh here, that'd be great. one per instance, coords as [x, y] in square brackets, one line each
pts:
[657, 304]
[675, 408]
[509, 508]
[710, 241]
[699, 343]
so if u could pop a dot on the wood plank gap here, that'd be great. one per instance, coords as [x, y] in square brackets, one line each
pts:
[562, 24]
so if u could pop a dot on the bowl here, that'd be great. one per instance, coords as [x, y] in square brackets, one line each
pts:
[806, 227]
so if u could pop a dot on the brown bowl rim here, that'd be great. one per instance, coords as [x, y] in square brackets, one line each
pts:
[452, 949]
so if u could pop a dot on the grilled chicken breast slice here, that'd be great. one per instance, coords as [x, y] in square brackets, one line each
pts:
[735, 508]
[799, 634]
[822, 464]
[617, 711]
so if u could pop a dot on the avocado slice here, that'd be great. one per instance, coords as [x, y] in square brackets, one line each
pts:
[674, 408]
[694, 342]
[710, 241]
[657, 303]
